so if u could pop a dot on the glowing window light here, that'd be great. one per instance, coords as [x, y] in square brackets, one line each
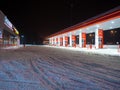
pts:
[113, 32]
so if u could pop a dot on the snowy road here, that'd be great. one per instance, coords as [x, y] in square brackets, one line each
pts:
[46, 68]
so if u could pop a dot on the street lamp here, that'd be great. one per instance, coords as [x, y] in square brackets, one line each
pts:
[22, 39]
[22, 36]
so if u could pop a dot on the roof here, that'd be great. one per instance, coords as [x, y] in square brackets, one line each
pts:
[4, 27]
[113, 13]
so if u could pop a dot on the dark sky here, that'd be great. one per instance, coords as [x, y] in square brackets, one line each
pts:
[37, 19]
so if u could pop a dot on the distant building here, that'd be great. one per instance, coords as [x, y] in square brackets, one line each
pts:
[99, 31]
[46, 41]
[9, 35]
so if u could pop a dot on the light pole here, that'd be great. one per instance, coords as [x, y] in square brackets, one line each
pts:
[23, 40]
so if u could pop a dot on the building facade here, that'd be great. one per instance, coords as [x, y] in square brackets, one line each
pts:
[99, 31]
[9, 35]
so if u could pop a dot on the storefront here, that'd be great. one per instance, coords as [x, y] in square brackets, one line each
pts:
[9, 35]
[100, 31]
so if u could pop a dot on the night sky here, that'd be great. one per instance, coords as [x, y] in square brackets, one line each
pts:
[36, 19]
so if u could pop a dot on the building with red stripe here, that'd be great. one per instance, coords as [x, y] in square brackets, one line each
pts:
[97, 31]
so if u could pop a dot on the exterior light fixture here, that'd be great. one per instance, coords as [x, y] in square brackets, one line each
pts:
[110, 27]
[97, 25]
[112, 22]
[22, 36]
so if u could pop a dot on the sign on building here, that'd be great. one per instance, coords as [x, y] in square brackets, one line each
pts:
[8, 23]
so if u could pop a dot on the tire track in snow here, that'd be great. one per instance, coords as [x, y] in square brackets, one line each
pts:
[66, 74]
[56, 69]
[93, 74]
[46, 81]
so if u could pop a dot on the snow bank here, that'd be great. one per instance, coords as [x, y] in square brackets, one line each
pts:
[104, 51]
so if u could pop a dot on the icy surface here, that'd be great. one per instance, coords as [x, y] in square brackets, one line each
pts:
[47, 68]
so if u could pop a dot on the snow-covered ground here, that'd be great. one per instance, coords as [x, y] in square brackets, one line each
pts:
[111, 50]
[48, 68]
